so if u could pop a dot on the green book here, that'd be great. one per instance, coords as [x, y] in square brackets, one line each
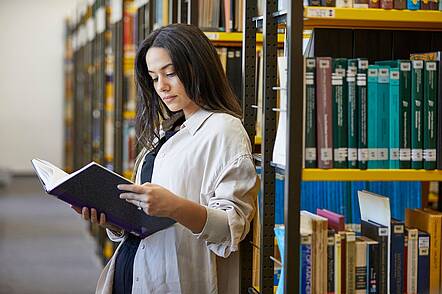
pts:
[352, 114]
[430, 113]
[361, 99]
[339, 100]
[416, 113]
[310, 114]
[404, 113]
[394, 119]
[383, 115]
[372, 122]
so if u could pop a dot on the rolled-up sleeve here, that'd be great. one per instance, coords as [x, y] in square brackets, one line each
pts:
[231, 206]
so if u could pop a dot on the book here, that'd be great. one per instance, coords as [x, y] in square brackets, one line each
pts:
[423, 262]
[95, 186]
[416, 113]
[410, 271]
[430, 114]
[352, 113]
[310, 113]
[339, 113]
[397, 257]
[361, 99]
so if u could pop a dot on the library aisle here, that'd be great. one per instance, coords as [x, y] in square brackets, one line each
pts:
[44, 246]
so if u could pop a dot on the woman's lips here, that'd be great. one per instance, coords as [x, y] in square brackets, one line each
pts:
[168, 98]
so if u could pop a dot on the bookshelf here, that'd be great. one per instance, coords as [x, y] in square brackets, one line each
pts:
[294, 19]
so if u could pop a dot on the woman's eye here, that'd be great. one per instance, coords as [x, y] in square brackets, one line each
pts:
[155, 79]
[172, 74]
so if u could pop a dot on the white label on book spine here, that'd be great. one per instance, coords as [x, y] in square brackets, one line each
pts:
[429, 154]
[309, 79]
[361, 83]
[100, 20]
[340, 72]
[321, 12]
[424, 251]
[340, 154]
[363, 64]
[310, 153]
[416, 154]
[324, 63]
[394, 75]
[311, 63]
[394, 153]
[212, 36]
[372, 154]
[326, 154]
[405, 154]
[351, 237]
[431, 65]
[398, 229]
[372, 72]
[405, 66]
[336, 80]
[352, 153]
[418, 64]
[424, 242]
[383, 153]
[351, 78]
[362, 154]
[383, 232]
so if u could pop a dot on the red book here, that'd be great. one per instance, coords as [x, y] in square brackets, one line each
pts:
[335, 221]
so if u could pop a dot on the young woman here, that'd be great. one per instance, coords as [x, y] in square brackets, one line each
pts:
[196, 168]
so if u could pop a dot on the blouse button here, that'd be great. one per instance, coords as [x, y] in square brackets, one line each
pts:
[143, 246]
[137, 279]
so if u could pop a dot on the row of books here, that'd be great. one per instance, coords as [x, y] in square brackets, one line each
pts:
[342, 197]
[403, 257]
[382, 115]
[384, 4]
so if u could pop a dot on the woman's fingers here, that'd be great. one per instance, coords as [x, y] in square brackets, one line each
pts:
[85, 213]
[131, 188]
[94, 218]
[102, 219]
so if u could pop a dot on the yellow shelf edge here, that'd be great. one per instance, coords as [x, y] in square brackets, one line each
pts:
[235, 37]
[310, 174]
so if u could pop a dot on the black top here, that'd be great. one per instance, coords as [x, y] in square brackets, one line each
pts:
[124, 262]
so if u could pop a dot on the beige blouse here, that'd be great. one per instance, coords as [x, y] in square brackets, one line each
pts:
[208, 161]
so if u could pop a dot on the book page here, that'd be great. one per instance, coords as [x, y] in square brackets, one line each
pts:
[48, 173]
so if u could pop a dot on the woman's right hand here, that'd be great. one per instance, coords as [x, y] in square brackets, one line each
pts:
[92, 216]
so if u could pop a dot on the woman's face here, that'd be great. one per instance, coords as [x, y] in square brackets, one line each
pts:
[166, 82]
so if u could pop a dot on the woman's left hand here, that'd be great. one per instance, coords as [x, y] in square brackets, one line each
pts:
[153, 199]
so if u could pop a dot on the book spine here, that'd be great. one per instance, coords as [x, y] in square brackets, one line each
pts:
[430, 119]
[404, 117]
[324, 112]
[387, 4]
[361, 267]
[361, 86]
[394, 119]
[337, 264]
[439, 109]
[405, 260]
[416, 114]
[383, 112]
[397, 259]
[423, 262]
[306, 269]
[374, 4]
[373, 268]
[413, 4]
[425, 5]
[400, 4]
[351, 262]
[339, 113]
[412, 262]
[343, 262]
[310, 115]
[372, 116]
[331, 262]
[352, 112]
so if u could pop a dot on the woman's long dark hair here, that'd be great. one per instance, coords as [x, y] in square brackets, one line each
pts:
[196, 64]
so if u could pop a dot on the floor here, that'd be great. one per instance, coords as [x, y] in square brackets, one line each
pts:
[44, 245]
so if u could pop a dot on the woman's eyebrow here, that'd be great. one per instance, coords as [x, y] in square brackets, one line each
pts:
[167, 65]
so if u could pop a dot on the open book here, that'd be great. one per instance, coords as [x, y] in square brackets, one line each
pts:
[95, 186]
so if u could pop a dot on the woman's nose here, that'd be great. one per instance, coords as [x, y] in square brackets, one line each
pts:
[163, 85]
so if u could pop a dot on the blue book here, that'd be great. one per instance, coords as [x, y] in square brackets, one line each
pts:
[423, 262]
[373, 126]
[397, 257]
[413, 4]
[394, 119]
[383, 113]
[306, 264]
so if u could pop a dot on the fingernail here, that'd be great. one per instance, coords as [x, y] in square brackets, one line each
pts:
[119, 187]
